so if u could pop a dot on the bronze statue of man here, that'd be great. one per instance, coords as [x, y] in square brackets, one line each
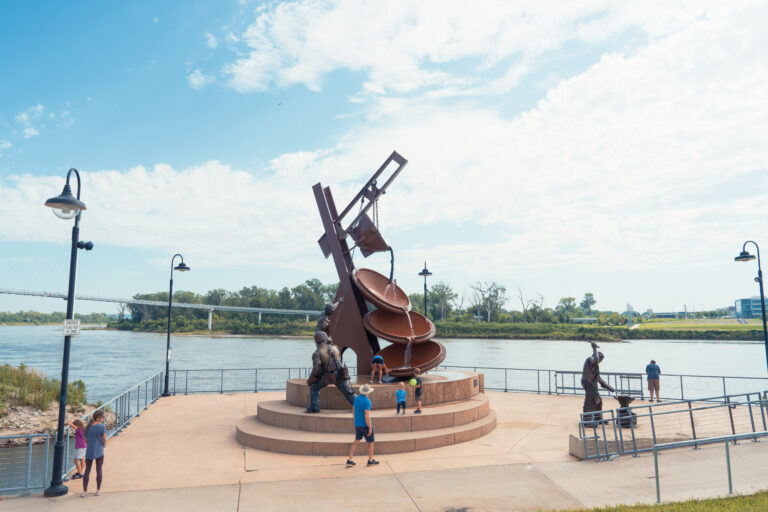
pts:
[590, 378]
[327, 366]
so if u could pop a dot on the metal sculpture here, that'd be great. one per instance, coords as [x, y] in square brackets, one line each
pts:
[327, 366]
[590, 378]
[346, 325]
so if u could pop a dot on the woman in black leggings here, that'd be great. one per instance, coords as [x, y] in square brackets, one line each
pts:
[96, 437]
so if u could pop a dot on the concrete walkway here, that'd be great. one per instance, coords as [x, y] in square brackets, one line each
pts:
[181, 454]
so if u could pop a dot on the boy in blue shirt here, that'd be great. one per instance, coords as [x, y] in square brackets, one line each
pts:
[654, 372]
[400, 396]
[363, 425]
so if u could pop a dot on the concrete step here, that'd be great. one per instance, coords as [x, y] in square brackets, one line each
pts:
[255, 434]
[279, 413]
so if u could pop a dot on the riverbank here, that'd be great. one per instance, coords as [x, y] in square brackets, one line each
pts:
[449, 329]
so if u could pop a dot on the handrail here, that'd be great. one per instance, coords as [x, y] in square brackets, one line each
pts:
[745, 414]
[709, 440]
[125, 406]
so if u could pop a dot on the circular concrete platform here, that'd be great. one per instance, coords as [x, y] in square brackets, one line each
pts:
[439, 387]
[454, 411]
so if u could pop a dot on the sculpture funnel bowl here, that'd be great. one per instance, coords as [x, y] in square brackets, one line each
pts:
[380, 292]
[394, 327]
[424, 356]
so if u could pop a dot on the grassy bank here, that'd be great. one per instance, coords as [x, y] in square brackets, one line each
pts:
[753, 503]
[452, 329]
[24, 386]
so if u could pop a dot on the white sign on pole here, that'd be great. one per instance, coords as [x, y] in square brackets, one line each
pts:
[71, 327]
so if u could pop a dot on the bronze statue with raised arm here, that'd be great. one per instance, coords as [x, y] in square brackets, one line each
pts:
[590, 378]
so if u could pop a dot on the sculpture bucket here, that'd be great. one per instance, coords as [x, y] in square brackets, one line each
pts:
[380, 292]
[424, 356]
[394, 327]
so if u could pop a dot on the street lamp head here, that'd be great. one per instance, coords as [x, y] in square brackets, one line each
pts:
[425, 272]
[744, 256]
[65, 206]
[182, 267]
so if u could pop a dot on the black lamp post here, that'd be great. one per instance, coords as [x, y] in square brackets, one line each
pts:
[425, 273]
[66, 206]
[746, 256]
[181, 267]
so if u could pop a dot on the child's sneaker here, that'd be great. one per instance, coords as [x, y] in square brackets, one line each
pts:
[98, 493]
[350, 463]
[417, 411]
[372, 462]
[83, 494]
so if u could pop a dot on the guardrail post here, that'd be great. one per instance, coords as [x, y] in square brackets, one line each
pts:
[186, 382]
[728, 465]
[693, 425]
[256, 380]
[730, 415]
[538, 382]
[549, 382]
[653, 426]
[505, 380]
[656, 469]
[724, 391]
[751, 416]
[221, 382]
[45, 463]
[29, 462]
[682, 394]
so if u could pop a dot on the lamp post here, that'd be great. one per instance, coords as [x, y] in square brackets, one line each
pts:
[425, 273]
[746, 256]
[66, 206]
[181, 267]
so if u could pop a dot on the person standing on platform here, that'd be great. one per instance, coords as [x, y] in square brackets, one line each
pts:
[400, 396]
[417, 390]
[654, 376]
[363, 425]
[96, 437]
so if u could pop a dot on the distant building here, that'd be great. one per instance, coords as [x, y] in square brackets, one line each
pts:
[748, 308]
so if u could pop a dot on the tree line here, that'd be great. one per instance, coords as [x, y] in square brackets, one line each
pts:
[37, 318]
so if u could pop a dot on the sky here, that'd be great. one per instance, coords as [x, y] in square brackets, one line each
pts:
[556, 148]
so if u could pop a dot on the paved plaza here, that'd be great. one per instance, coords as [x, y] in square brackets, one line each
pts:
[181, 455]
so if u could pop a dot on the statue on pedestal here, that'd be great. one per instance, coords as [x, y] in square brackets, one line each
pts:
[327, 366]
[590, 378]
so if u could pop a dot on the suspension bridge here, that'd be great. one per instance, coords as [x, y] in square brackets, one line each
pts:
[208, 307]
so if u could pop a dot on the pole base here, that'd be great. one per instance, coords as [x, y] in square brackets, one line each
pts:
[166, 394]
[56, 490]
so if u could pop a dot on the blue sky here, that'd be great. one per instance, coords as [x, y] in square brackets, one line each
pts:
[602, 147]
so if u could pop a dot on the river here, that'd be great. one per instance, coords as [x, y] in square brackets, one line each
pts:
[110, 362]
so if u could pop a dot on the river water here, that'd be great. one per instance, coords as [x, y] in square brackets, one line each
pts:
[110, 362]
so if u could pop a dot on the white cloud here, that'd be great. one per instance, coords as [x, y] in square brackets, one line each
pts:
[30, 121]
[4, 144]
[404, 47]
[211, 40]
[197, 79]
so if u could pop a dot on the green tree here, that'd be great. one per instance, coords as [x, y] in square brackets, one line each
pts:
[566, 309]
[488, 297]
[440, 298]
[587, 303]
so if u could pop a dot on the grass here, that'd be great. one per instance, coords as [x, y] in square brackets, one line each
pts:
[751, 503]
[720, 324]
[26, 386]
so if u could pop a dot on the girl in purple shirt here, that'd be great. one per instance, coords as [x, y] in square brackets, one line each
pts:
[80, 446]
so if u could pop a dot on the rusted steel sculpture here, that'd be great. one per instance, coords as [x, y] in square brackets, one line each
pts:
[352, 325]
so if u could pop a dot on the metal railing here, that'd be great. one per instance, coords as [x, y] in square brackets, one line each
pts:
[648, 425]
[710, 440]
[526, 380]
[568, 382]
[25, 469]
